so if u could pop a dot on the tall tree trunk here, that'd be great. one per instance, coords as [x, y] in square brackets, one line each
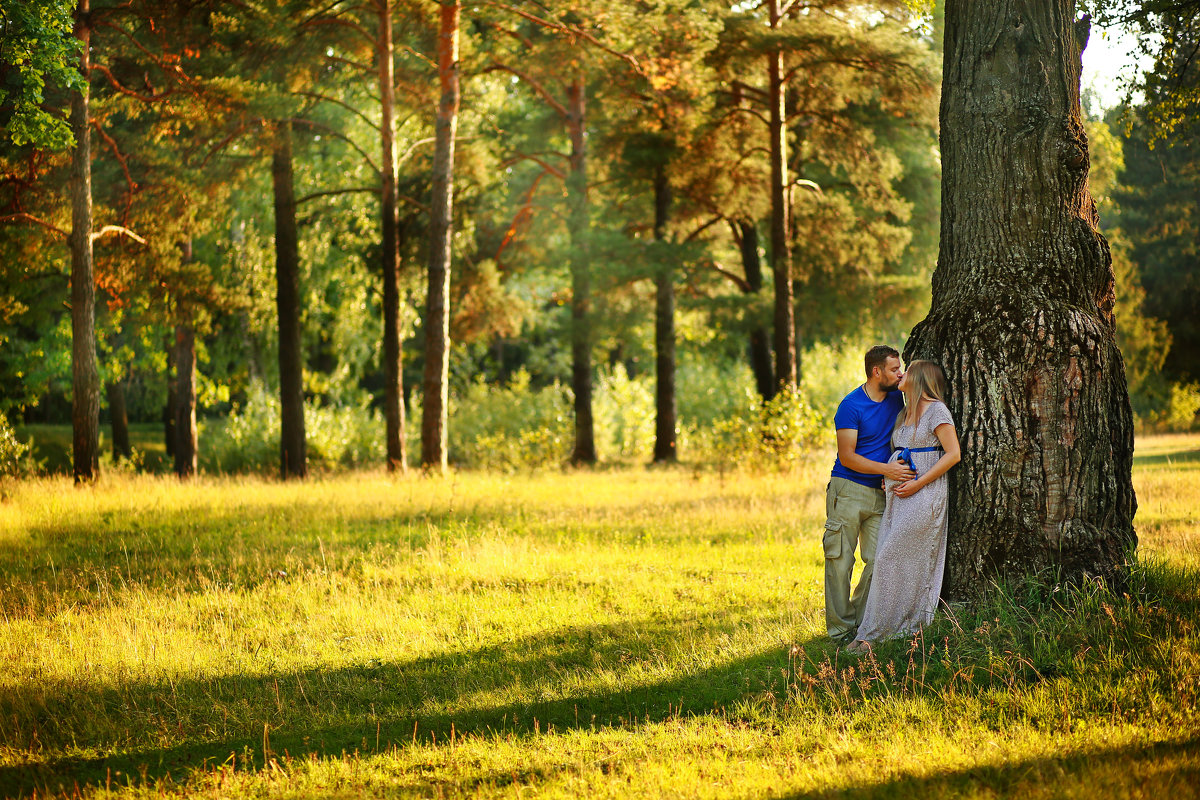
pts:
[292, 449]
[85, 404]
[172, 399]
[186, 439]
[1022, 313]
[393, 365]
[436, 398]
[664, 332]
[781, 256]
[584, 451]
[760, 339]
[120, 420]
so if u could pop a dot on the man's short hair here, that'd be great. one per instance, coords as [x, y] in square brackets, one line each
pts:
[878, 355]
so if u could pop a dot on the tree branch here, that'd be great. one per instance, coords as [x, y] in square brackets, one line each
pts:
[355, 64]
[345, 23]
[343, 104]
[751, 112]
[174, 69]
[337, 135]
[412, 149]
[546, 167]
[221, 144]
[534, 84]
[145, 98]
[23, 217]
[737, 280]
[762, 93]
[405, 48]
[116, 229]
[567, 29]
[523, 214]
[704, 227]
[120, 160]
[334, 192]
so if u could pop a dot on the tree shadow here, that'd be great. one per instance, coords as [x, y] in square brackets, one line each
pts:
[377, 705]
[1184, 459]
[1075, 775]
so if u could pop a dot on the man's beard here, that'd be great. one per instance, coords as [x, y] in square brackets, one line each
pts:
[890, 387]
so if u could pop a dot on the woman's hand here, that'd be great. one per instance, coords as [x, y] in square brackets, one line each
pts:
[907, 489]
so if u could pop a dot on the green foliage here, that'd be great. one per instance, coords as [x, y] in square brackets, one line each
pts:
[1167, 33]
[512, 427]
[13, 452]
[38, 49]
[624, 410]
[1158, 216]
[757, 435]
[248, 439]
[1182, 412]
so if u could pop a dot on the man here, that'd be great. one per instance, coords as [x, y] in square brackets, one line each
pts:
[854, 499]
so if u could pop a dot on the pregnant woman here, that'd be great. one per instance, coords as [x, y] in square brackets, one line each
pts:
[911, 553]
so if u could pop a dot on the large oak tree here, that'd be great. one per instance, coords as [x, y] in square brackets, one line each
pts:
[1022, 313]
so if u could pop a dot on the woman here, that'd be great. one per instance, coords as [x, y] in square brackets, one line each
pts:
[911, 553]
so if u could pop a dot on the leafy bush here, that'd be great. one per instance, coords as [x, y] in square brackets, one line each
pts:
[624, 413]
[13, 452]
[1182, 408]
[511, 427]
[248, 439]
[776, 433]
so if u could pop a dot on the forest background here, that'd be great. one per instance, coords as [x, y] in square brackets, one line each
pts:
[626, 145]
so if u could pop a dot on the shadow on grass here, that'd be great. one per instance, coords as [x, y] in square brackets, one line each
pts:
[1152, 768]
[370, 708]
[1188, 459]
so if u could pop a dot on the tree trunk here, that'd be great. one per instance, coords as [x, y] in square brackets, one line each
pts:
[185, 406]
[1022, 313]
[781, 256]
[434, 409]
[292, 448]
[664, 332]
[393, 365]
[760, 339]
[172, 399]
[120, 420]
[584, 451]
[85, 406]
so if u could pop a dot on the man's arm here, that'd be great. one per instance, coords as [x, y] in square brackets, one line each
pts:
[847, 439]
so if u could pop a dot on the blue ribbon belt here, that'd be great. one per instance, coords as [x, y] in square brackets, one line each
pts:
[906, 455]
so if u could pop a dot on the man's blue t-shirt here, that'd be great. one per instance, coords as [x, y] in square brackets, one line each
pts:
[874, 423]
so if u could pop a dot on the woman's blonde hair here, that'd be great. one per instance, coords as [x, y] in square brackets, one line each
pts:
[924, 379]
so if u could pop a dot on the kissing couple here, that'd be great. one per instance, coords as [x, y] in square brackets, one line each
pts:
[887, 498]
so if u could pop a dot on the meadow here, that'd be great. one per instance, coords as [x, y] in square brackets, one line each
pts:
[606, 633]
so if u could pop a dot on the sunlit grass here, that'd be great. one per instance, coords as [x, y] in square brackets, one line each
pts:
[647, 632]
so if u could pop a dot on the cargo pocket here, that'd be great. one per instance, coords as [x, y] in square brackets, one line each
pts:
[833, 538]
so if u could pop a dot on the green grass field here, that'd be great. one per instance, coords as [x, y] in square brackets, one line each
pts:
[630, 632]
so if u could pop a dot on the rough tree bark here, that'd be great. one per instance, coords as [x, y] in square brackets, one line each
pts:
[781, 255]
[186, 440]
[746, 233]
[434, 408]
[584, 451]
[393, 365]
[292, 447]
[664, 332]
[1022, 313]
[85, 407]
[172, 403]
[115, 390]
